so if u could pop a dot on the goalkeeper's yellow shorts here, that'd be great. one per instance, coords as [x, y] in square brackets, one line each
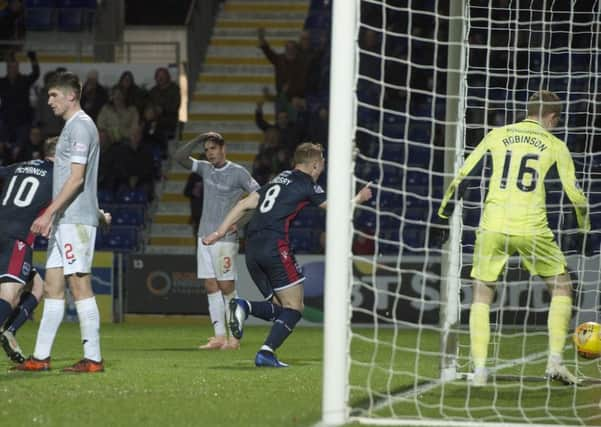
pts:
[539, 254]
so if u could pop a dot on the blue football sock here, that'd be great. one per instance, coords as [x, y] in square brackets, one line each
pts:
[5, 310]
[28, 303]
[265, 310]
[282, 327]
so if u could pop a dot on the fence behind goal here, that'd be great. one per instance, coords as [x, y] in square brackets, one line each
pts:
[428, 79]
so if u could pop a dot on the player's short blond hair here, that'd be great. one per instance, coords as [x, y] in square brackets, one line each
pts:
[544, 102]
[308, 152]
[50, 146]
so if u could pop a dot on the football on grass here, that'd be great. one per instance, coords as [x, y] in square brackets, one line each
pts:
[587, 338]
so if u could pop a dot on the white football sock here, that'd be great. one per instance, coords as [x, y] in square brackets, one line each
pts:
[89, 325]
[228, 298]
[52, 316]
[217, 313]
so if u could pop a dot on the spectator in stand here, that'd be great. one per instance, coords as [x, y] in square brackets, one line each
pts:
[363, 243]
[93, 95]
[134, 94]
[290, 68]
[139, 164]
[194, 191]
[312, 58]
[15, 109]
[290, 135]
[50, 124]
[154, 134]
[4, 157]
[266, 165]
[34, 149]
[118, 118]
[12, 26]
[318, 127]
[165, 94]
[111, 170]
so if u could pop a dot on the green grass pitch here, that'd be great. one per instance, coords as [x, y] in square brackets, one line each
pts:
[155, 376]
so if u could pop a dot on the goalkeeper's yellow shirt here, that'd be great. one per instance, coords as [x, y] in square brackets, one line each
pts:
[522, 155]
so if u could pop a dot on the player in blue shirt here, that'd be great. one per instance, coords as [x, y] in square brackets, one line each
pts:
[269, 257]
[27, 190]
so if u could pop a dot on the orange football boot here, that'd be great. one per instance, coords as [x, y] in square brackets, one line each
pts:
[85, 366]
[32, 364]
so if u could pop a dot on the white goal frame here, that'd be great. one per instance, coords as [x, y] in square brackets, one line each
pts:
[338, 268]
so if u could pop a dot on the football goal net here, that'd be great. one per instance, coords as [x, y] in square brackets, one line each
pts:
[415, 85]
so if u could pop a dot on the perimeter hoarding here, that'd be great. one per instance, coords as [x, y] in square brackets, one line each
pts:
[102, 284]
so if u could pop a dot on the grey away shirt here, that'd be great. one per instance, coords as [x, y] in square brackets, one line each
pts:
[223, 187]
[78, 143]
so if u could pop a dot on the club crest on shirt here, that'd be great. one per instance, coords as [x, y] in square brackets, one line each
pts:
[26, 269]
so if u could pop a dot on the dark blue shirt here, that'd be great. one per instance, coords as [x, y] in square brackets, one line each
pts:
[26, 192]
[280, 201]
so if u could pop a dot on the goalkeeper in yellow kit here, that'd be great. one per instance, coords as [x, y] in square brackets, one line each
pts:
[515, 220]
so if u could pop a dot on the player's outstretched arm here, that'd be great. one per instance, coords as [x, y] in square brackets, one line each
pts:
[233, 216]
[567, 175]
[182, 155]
[361, 197]
[72, 186]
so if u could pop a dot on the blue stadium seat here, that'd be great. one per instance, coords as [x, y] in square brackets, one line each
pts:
[132, 196]
[419, 133]
[71, 19]
[31, 4]
[120, 238]
[417, 178]
[39, 19]
[419, 155]
[78, 4]
[105, 196]
[319, 20]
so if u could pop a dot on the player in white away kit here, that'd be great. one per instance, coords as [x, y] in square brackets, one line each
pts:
[70, 222]
[224, 183]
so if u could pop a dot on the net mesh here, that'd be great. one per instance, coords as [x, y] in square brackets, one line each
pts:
[509, 50]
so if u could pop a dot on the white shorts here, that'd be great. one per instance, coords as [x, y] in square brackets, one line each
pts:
[71, 247]
[217, 261]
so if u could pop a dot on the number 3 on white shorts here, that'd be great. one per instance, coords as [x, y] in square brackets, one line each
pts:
[270, 197]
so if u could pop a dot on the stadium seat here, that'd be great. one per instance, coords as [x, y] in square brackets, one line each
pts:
[78, 4]
[39, 19]
[120, 238]
[132, 196]
[320, 20]
[105, 196]
[71, 19]
[75, 15]
[31, 4]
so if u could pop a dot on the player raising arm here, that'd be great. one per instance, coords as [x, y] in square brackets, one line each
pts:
[514, 219]
[269, 257]
[224, 182]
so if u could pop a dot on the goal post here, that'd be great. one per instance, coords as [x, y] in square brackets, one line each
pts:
[338, 216]
[450, 257]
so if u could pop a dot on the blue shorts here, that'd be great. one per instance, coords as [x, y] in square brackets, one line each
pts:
[272, 265]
